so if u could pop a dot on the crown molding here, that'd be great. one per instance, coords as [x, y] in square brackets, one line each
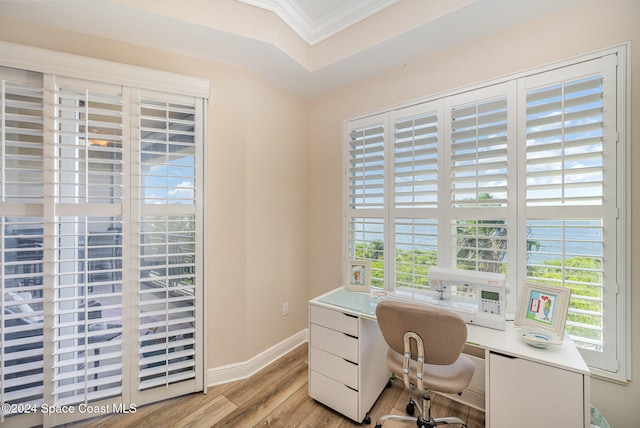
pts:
[313, 30]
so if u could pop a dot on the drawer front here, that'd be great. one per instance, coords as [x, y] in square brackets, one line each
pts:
[334, 394]
[334, 342]
[335, 320]
[334, 367]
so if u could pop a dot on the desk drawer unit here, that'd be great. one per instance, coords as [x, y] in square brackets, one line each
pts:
[347, 367]
[335, 342]
[335, 320]
[334, 394]
[334, 367]
[333, 360]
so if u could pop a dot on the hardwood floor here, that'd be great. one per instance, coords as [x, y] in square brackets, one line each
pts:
[276, 396]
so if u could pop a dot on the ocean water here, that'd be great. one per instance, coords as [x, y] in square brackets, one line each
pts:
[551, 239]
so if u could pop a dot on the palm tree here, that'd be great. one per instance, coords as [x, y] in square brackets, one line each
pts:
[482, 244]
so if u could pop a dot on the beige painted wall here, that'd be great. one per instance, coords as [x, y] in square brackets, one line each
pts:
[255, 193]
[552, 38]
[274, 165]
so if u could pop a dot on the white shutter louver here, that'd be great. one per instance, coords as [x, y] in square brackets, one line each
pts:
[88, 146]
[167, 159]
[21, 142]
[366, 167]
[481, 244]
[22, 316]
[578, 246]
[167, 289]
[416, 161]
[366, 242]
[87, 347]
[167, 300]
[479, 153]
[416, 246]
[564, 143]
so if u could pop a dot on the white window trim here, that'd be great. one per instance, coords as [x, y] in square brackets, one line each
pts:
[623, 304]
[79, 67]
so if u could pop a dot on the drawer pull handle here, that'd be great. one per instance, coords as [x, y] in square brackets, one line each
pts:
[350, 335]
[350, 315]
[353, 389]
[511, 357]
[349, 361]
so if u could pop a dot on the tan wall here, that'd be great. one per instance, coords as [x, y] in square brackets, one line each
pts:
[552, 38]
[274, 167]
[255, 193]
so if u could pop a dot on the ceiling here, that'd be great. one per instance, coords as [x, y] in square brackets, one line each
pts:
[342, 41]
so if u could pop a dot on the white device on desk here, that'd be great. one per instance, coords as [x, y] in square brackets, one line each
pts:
[480, 298]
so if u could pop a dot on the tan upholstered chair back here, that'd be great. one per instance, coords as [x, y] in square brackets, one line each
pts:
[443, 332]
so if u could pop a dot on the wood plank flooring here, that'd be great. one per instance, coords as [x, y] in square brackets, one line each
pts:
[276, 396]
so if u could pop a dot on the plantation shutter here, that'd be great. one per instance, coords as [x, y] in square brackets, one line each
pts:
[168, 246]
[366, 166]
[21, 238]
[87, 299]
[89, 145]
[527, 176]
[21, 134]
[481, 125]
[416, 250]
[22, 314]
[417, 153]
[416, 161]
[101, 277]
[570, 155]
[564, 143]
[366, 242]
[366, 184]
[478, 144]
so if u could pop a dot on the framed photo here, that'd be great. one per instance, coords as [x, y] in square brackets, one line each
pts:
[358, 275]
[543, 307]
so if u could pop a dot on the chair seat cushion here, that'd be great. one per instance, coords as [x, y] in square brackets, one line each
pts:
[452, 378]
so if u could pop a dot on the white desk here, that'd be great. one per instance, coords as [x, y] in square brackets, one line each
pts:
[523, 386]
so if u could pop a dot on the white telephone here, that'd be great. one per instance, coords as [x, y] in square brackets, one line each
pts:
[479, 297]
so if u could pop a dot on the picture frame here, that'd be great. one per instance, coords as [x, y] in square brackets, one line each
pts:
[358, 275]
[543, 307]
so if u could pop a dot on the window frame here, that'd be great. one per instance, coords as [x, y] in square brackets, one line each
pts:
[621, 289]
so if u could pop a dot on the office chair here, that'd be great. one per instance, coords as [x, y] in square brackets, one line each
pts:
[425, 350]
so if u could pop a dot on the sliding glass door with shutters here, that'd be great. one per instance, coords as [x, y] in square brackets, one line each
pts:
[101, 239]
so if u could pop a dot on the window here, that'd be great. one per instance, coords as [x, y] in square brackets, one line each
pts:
[525, 177]
[100, 232]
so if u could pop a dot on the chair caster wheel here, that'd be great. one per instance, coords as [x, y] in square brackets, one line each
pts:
[367, 420]
[379, 426]
[410, 409]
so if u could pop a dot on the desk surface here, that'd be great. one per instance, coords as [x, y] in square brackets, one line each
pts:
[565, 356]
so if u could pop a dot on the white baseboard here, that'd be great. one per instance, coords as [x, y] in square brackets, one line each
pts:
[238, 371]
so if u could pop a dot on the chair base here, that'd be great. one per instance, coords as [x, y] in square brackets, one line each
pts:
[421, 421]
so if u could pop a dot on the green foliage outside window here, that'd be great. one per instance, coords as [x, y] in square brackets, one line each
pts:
[579, 273]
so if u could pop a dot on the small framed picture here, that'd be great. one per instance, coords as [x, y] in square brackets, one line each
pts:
[358, 275]
[543, 307]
